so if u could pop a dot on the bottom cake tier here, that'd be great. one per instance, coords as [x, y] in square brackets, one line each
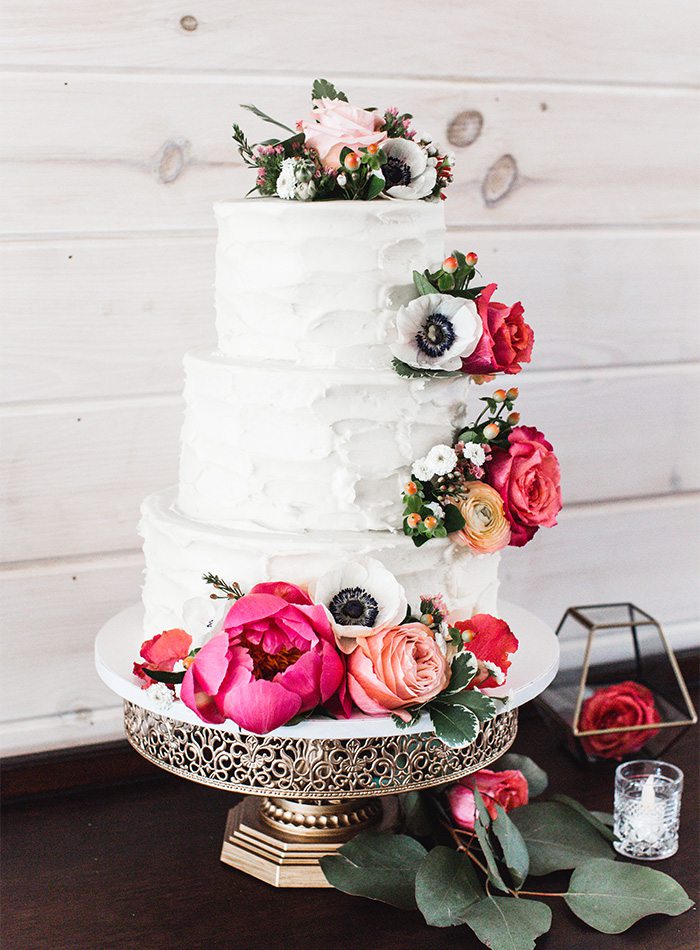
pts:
[179, 550]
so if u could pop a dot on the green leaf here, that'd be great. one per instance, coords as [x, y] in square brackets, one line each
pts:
[417, 815]
[453, 519]
[509, 923]
[423, 285]
[454, 724]
[611, 896]
[322, 89]
[376, 184]
[481, 827]
[379, 866]
[464, 669]
[605, 817]
[446, 282]
[412, 372]
[557, 837]
[161, 676]
[537, 780]
[483, 706]
[266, 118]
[601, 828]
[446, 887]
[515, 853]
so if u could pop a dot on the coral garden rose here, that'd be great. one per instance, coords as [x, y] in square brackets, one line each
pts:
[528, 479]
[492, 642]
[486, 528]
[395, 668]
[161, 653]
[623, 704]
[274, 659]
[506, 341]
[508, 789]
[334, 124]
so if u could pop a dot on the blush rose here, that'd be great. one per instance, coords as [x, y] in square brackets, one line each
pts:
[396, 667]
[623, 704]
[506, 341]
[335, 124]
[528, 479]
[508, 789]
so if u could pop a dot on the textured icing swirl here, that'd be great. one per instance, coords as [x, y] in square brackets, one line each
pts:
[178, 550]
[271, 445]
[318, 283]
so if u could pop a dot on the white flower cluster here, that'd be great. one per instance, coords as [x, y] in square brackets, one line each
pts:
[440, 460]
[474, 452]
[160, 696]
[296, 179]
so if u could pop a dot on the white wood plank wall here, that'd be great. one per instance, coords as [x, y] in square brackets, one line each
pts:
[577, 132]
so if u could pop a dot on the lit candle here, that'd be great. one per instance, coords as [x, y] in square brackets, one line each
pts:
[648, 822]
[647, 809]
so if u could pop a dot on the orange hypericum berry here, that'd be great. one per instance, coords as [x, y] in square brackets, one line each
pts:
[514, 418]
[428, 620]
[410, 488]
[480, 378]
[430, 522]
[352, 162]
[187, 662]
[450, 265]
[513, 392]
[373, 149]
[471, 258]
[491, 430]
[499, 395]
[414, 520]
[467, 636]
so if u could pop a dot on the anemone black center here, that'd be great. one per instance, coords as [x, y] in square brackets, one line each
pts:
[396, 172]
[354, 606]
[436, 335]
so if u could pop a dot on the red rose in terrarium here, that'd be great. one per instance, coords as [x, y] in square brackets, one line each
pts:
[622, 704]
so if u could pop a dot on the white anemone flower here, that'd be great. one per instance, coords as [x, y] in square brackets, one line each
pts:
[441, 459]
[359, 596]
[407, 172]
[436, 331]
[203, 617]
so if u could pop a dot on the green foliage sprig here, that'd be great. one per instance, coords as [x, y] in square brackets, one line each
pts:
[477, 878]
[228, 591]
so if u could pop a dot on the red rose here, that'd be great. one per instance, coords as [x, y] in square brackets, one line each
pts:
[492, 643]
[507, 788]
[528, 479]
[161, 653]
[623, 704]
[506, 341]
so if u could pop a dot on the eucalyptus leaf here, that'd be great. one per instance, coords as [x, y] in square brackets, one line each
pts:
[446, 887]
[557, 837]
[599, 826]
[379, 866]
[423, 285]
[418, 817]
[322, 89]
[481, 827]
[537, 780]
[509, 923]
[464, 669]
[515, 853]
[611, 896]
[605, 817]
[454, 724]
[266, 118]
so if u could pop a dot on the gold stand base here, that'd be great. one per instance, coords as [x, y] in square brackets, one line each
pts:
[280, 841]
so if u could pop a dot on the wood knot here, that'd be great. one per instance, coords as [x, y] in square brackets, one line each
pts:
[189, 23]
[499, 180]
[171, 159]
[465, 128]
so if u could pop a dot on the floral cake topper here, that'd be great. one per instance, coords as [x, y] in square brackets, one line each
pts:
[342, 151]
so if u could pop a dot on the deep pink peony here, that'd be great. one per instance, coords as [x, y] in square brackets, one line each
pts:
[396, 667]
[161, 653]
[276, 657]
[508, 789]
[492, 642]
[528, 479]
[335, 124]
[506, 341]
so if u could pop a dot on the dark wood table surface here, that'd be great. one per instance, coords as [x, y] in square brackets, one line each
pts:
[129, 858]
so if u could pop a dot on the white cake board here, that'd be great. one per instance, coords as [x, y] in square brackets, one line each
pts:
[532, 669]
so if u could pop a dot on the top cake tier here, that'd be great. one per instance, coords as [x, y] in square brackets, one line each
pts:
[318, 283]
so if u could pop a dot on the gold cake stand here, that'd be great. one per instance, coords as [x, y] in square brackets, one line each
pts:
[311, 787]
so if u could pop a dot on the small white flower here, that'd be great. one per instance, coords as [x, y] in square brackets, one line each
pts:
[494, 670]
[342, 180]
[202, 617]
[422, 470]
[436, 509]
[442, 638]
[161, 697]
[286, 181]
[474, 452]
[436, 331]
[359, 596]
[406, 172]
[442, 459]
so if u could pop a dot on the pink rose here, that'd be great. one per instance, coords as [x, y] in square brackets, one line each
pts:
[492, 642]
[335, 124]
[506, 341]
[528, 479]
[275, 658]
[507, 788]
[161, 653]
[396, 667]
[622, 704]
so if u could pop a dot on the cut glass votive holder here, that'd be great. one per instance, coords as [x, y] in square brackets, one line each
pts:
[647, 809]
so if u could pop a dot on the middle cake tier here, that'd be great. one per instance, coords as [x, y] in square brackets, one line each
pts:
[273, 446]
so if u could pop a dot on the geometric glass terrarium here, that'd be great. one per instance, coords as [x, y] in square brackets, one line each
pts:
[623, 694]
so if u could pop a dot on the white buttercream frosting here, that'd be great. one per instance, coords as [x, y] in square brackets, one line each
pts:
[179, 550]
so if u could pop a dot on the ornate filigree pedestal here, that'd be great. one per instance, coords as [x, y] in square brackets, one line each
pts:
[312, 786]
